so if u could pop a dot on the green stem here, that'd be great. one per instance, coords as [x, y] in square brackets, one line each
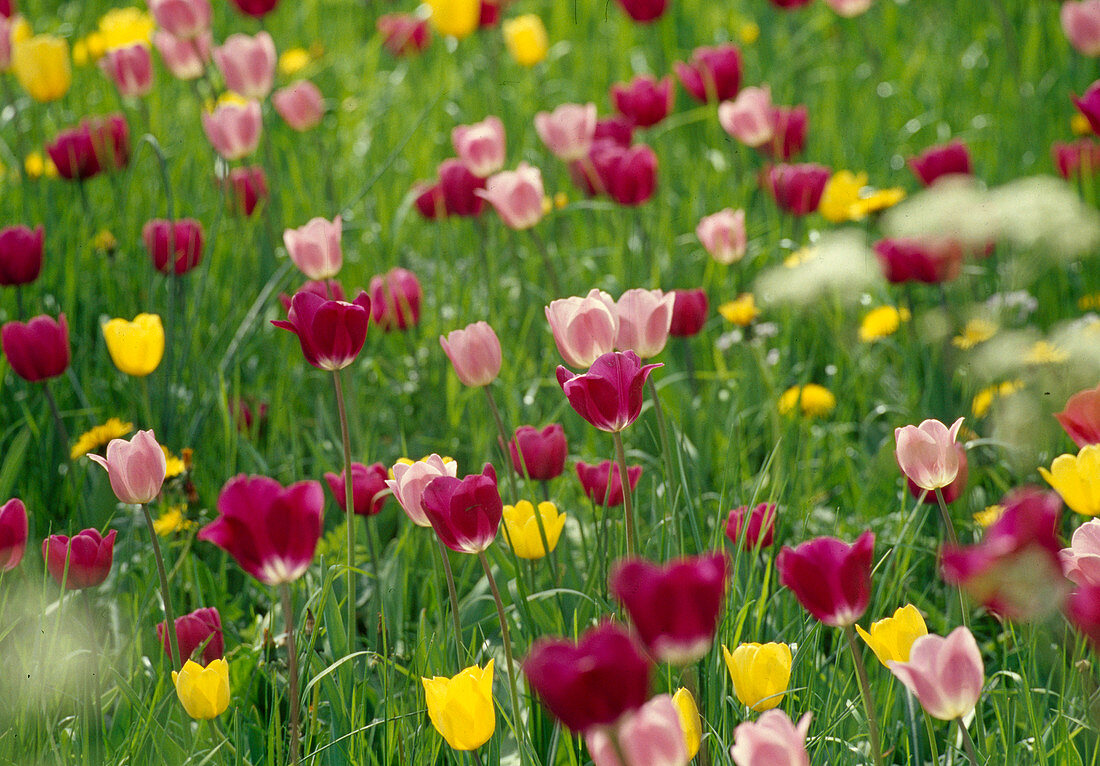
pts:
[628, 503]
[865, 691]
[292, 670]
[950, 526]
[968, 744]
[506, 639]
[61, 430]
[662, 429]
[349, 504]
[547, 263]
[169, 614]
[453, 595]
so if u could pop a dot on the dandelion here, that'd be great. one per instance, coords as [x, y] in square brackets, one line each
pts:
[100, 436]
[293, 60]
[1045, 352]
[975, 332]
[882, 322]
[741, 311]
[813, 400]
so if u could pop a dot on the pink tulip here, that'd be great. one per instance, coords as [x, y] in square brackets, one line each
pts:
[410, 481]
[953, 490]
[1081, 417]
[474, 353]
[130, 68]
[395, 299]
[182, 18]
[403, 34]
[480, 146]
[1089, 105]
[300, 104]
[830, 578]
[584, 328]
[609, 395]
[315, 248]
[247, 188]
[6, 26]
[136, 467]
[1081, 23]
[568, 131]
[749, 118]
[644, 318]
[186, 58]
[849, 8]
[652, 735]
[723, 235]
[1076, 158]
[234, 129]
[13, 534]
[945, 674]
[516, 195]
[247, 64]
[772, 740]
[1081, 560]
[926, 453]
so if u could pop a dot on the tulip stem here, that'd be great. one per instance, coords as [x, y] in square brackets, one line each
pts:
[506, 639]
[951, 536]
[662, 429]
[292, 670]
[968, 743]
[349, 505]
[453, 595]
[624, 479]
[865, 691]
[19, 302]
[61, 430]
[169, 613]
[547, 263]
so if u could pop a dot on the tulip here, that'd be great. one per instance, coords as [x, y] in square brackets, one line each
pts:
[522, 528]
[723, 235]
[20, 254]
[644, 11]
[247, 64]
[830, 578]
[771, 740]
[644, 318]
[12, 31]
[186, 58]
[797, 188]
[331, 333]
[789, 136]
[757, 526]
[1077, 158]
[395, 300]
[713, 74]
[849, 8]
[37, 350]
[247, 186]
[300, 104]
[631, 178]
[233, 129]
[913, 260]
[592, 682]
[403, 34]
[945, 674]
[315, 248]
[760, 673]
[689, 313]
[136, 467]
[255, 8]
[526, 39]
[457, 18]
[41, 64]
[652, 734]
[204, 692]
[946, 159]
[130, 68]
[82, 561]
[790, 4]
[952, 491]
[1081, 561]
[135, 347]
[750, 118]
[465, 513]
[584, 328]
[568, 131]
[461, 708]
[7, 8]
[926, 453]
[690, 722]
[201, 628]
[173, 246]
[474, 353]
[329, 289]
[368, 488]
[543, 452]
[185, 19]
[429, 200]
[1077, 479]
[1081, 23]
[13, 534]
[272, 532]
[891, 638]
[460, 189]
[602, 483]
[410, 480]
[98, 144]
[674, 607]
[645, 100]
[516, 196]
[1083, 611]
[480, 146]
[489, 15]
[609, 395]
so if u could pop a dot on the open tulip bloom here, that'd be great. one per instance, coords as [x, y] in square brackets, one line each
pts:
[331, 333]
[465, 513]
[609, 395]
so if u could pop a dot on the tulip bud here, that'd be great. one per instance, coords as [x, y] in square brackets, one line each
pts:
[602, 484]
[460, 189]
[516, 196]
[13, 534]
[689, 313]
[185, 58]
[480, 147]
[331, 333]
[135, 347]
[713, 74]
[938, 161]
[395, 300]
[403, 33]
[789, 136]
[760, 674]
[315, 248]
[204, 692]
[1081, 23]
[568, 131]
[247, 186]
[522, 528]
[368, 488]
[645, 101]
[644, 318]
[757, 526]
[644, 11]
[526, 39]
[771, 739]
[915, 260]
[233, 129]
[609, 395]
[257, 9]
[201, 628]
[98, 144]
[130, 68]
[41, 64]
[185, 19]
[891, 639]
[926, 453]
[797, 189]
[465, 513]
[247, 64]
[20, 255]
[457, 18]
[409, 481]
[723, 235]
[584, 328]
[690, 722]
[300, 104]
[631, 178]
[136, 467]
[750, 118]
[461, 708]
[474, 353]
[38, 349]
[173, 246]
[543, 452]
[82, 561]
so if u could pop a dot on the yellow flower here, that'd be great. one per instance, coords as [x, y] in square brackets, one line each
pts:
[457, 18]
[461, 708]
[749, 32]
[1077, 479]
[799, 257]
[847, 198]
[741, 311]
[175, 465]
[37, 166]
[81, 57]
[136, 347]
[1045, 352]
[19, 31]
[100, 436]
[293, 61]
[523, 528]
[41, 65]
[1088, 302]
[104, 241]
[875, 200]
[989, 515]
[882, 322]
[120, 27]
[812, 399]
[94, 48]
[561, 199]
[204, 692]
[983, 400]
[1079, 124]
[526, 39]
[976, 331]
[760, 674]
[689, 720]
[171, 521]
[892, 638]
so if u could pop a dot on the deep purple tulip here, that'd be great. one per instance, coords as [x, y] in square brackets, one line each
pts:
[89, 557]
[331, 333]
[595, 478]
[368, 488]
[645, 100]
[543, 452]
[713, 73]
[174, 246]
[937, 161]
[20, 254]
[756, 524]
[797, 188]
[38, 349]
[466, 512]
[830, 578]
[609, 395]
[202, 626]
[689, 313]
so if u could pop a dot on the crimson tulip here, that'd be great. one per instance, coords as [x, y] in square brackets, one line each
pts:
[830, 578]
[87, 554]
[368, 488]
[331, 333]
[609, 395]
[466, 512]
[38, 349]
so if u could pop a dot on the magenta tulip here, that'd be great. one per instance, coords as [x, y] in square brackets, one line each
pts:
[797, 189]
[830, 578]
[96, 145]
[247, 187]
[20, 254]
[201, 628]
[944, 674]
[938, 161]
[543, 452]
[714, 74]
[752, 529]
[916, 260]
[429, 200]
[395, 300]
[689, 313]
[645, 100]
[630, 175]
[1083, 611]
[247, 64]
[300, 104]
[37, 350]
[474, 353]
[173, 246]
[461, 189]
[789, 137]
[644, 11]
[255, 8]
[602, 484]
[369, 491]
[87, 554]
[466, 512]
[331, 333]
[13, 534]
[136, 467]
[609, 395]
[1076, 158]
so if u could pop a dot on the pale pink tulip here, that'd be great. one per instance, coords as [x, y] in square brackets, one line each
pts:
[644, 318]
[652, 735]
[1081, 560]
[584, 328]
[480, 146]
[409, 481]
[568, 131]
[516, 195]
[772, 740]
[130, 68]
[234, 129]
[300, 104]
[315, 247]
[474, 353]
[749, 118]
[849, 8]
[186, 58]
[926, 453]
[723, 235]
[247, 64]
[1081, 23]
[182, 18]
[945, 674]
[136, 468]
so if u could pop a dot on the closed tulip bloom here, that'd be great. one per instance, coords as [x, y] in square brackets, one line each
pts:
[609, 395]
[410, 480]
[20, 254]
[592, 682]
[315, 247]
[13, 534]
[935, 162]
[403, 34]
[761, 674]
[797, 189]
[568, 131]
[929, 261]
[429, 200]
[750, 118]
[723, 235]
[173, 246]
[752, 529]
[714, 74]
[789, 137]
[644, 318]
[136, 467]
[247, 64]
[644, 11]
[474, 353]
[675, 606]
[1089, 106]
[522, 528]
[460, 189]
[602, 484]
[771, 740]
[584, 328]
[186, 19]
[490, 13]
[369, 490]
[37, 350]
[645, 100]
[690, 722]
[41, 65]
[96, 145]
[300, 104]
[516, 195]
[543, 452]
[466, 512]
[272, 532]
[457, 18]
[953, 490]
[1079, 158]
[1081, 560]
[926, 453]
[526, 39]
[87, 553]
[248, 187]
[204, 692]
[331, 333]
[1081, 23]
[689, 313]
[185, 58]
[1077, 479]
[135, 347]
[849, 8]
[233, 129]
[395, 300]
[790, 4]
[201, 628]
[830, 578]
[257, 9]
[461, 708]
[945, 674]
[130, 68]
[480, 146]
[891, 638]
[632, 178]
[652, 735]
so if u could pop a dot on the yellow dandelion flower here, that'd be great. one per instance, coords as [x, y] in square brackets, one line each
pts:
[1079, 124]
[1089, 302]
[104, 241]
[98, 437]
[293, 61]
[986, 517]
[799, 257]
[882, 322]
[1045, 352]
[36, 166]
[749, 32]
[741, 311]
[976, 331]
[813, 400]
[561, 199]
[175, 464]
[171, 521]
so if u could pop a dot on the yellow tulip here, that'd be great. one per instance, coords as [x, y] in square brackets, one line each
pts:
[526, 39]
[760, 674]
[892, 638]
[135, 347]
[204, 692]
[458, 18]
[41, 65]
[461, 708]
[1077, 479]
[523, 528]
[689, 720]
